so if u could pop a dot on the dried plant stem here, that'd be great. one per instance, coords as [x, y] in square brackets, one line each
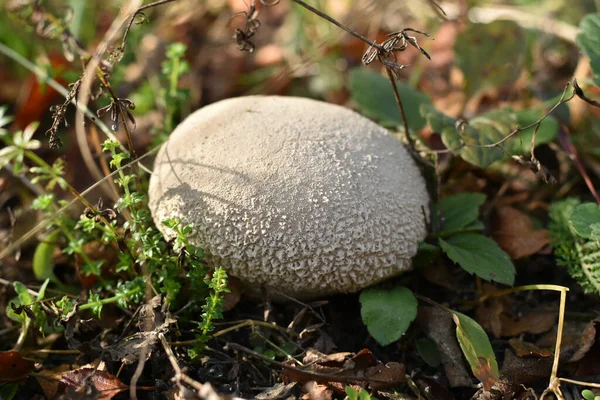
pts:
[400, 106]
[45, 78]
[180, 377]
[122, 115]
[338, 24]
[563, 99]
[139, 11]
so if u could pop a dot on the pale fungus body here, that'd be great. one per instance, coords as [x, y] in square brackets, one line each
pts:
[301, 196]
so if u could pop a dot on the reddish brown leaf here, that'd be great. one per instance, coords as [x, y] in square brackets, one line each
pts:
[393, 373]
[523, 349]
[514, 232]
[13, 367]
[484, 372]
[106, 384]
[338, 370]
[535, 322]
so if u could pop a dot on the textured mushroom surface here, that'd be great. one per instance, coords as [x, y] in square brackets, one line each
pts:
[306, 197]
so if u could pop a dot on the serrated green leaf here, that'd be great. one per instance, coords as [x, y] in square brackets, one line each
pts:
[483, 130]
[583, 217]
[546, 133]
[387, 313]
[477, 349]
[466, 140]
[459, 211]
[481, 256]
[374, 97]
[589, 42]
[490, 55]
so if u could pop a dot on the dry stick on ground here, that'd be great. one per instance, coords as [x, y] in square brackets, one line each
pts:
[318, 376]
[180, 377]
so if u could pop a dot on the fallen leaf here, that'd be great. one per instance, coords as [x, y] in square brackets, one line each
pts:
[106, 384]
[392, 372]
[13, 367]
[514, 232]
[316, 391]
[279, 391]
[339, 370]
[535, 322]
[524, 349]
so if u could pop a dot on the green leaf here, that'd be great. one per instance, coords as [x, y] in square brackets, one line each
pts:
[459, 211]
[546, 133]
[387, 313]
[468, 139]
[490, 55]
[481, 256]
[428, 351]
[43, 262]
[374, 97]
[23, 298]
[584, 218]
[477, 349]
[589, 42]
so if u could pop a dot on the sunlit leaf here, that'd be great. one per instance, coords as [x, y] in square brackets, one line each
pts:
[474, 141]
[589, 42]
[546, 133]
[374, 97]
[490, 55]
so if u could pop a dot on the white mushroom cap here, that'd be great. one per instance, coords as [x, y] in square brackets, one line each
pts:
[306, 197]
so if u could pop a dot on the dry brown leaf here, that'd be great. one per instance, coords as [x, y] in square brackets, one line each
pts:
[514, 232]
[535, 322]
[393, 373]
[106, 384]
[524, 349]
[316, 391]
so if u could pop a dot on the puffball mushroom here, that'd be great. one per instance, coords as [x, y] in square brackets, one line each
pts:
[305, 197]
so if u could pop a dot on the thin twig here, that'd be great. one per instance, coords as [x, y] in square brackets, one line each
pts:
[515, 131]
[180, 377]
[400, 106]
[135, 14]
[317, 375]
[339, 24]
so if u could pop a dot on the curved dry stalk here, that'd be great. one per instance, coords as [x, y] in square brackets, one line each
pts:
[89, 74]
